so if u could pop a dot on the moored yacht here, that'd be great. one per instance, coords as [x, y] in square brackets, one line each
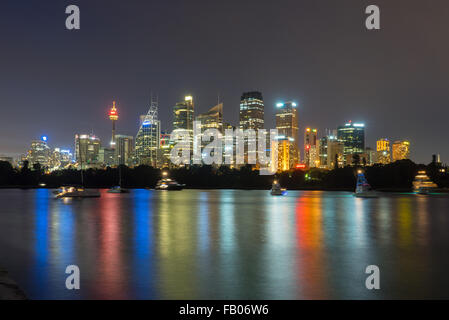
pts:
[276, 189]
[169, 185]
[77, 192]
[363, 188]
[422, 183]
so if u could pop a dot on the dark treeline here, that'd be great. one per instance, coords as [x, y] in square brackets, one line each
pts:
[395, 176]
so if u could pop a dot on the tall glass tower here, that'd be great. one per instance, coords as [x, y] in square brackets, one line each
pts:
[287, 126]
[353, 137]
[251, 111]
[148, 137]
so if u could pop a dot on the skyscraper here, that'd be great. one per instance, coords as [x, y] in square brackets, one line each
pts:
[335, 150]
[287, 126]
[353, 137]
[183, 117]
[311, 152]
[40, 153]
[87, 149]
[212, 119]
[251, 111]
[322, 152]
[383, 151]
[401, 150]
[166, 147]
[113, 116]
[148, 137]
[124, 149]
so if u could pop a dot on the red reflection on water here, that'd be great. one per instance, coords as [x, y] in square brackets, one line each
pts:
[311, 273]
[110, 273]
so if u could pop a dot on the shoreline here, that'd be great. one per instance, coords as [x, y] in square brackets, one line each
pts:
[386, 190]
[9, 289]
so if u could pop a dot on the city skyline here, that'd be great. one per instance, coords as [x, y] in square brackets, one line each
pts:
[64, 82]
[304, 157]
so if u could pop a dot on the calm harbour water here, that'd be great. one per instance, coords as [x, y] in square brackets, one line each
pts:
[226, 244]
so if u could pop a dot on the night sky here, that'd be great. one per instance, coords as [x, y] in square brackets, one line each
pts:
[57, 82]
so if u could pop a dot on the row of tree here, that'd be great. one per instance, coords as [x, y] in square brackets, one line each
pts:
[398, 175]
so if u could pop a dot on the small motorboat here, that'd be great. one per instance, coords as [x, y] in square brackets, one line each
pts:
[363, 188]
[169, 185]
[276, 189]
[77, 192]
[117, 189]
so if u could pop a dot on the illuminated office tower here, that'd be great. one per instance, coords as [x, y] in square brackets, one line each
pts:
[251, 114]
[353, 137]
[39, 152]
[401, 150]
[383, 151]
[335, 151]
[61, 158]
[311, 147]
[165, 149]
[183, 117]
[286, 151]
[124, 150]
[148, 137]
[287, 126]
[322, 152]
[106, 157]
[113, 116]
[87, 150]
[212, 119]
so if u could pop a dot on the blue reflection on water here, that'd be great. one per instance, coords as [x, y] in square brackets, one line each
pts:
[65, 232]
[143, 244]
[41, 238]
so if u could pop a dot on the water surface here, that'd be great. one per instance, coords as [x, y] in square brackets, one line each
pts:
[226, 244]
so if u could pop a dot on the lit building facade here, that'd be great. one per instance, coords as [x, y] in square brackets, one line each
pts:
[39, 152]
[165, 150]
[287, 126]
[106, 157]
[353, 137]
[124, 150]
[335, 153]
[87, 150]
[251, 114]
[148, 137]
[62, 158]
[322, 152]
[311, 158]
[212, 119]
[401, 150]
[183, 117]
[383, 151]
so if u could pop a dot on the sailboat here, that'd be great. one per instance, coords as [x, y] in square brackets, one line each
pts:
[77, 191]
[118, 189]
[363, 188]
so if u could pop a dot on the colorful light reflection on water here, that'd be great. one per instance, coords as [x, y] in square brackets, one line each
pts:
[225, 244]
